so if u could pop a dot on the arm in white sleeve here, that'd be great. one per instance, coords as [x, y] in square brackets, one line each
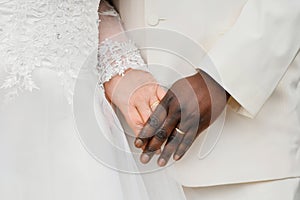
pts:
[255, 53]
[116, 52]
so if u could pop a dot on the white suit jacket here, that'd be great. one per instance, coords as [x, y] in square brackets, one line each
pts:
[254, 46]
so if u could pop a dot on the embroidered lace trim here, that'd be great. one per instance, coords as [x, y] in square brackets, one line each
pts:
[116, 57]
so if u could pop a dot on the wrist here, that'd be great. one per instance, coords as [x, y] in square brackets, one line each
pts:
[120, 88]
[111, 85]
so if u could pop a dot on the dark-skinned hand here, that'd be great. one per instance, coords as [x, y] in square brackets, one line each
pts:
[188, 108]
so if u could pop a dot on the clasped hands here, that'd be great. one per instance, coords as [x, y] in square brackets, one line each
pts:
[172, 119]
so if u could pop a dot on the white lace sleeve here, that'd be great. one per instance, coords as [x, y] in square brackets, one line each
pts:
[115, 56]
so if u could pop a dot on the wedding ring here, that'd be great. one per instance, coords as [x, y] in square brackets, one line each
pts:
[153, 106]
[180, 131]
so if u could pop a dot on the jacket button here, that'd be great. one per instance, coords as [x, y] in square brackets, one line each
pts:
[153, 20]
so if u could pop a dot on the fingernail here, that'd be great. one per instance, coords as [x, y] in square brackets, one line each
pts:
[145, 158]
[139, 143]
[161, 162]
[176, 157]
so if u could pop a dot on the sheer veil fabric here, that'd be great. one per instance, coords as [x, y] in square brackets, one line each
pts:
[43, 45]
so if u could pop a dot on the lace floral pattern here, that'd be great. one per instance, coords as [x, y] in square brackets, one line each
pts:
[116, 57]
[45, 34]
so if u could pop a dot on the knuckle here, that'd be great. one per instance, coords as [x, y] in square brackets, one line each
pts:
[153, 121]
[174, 139]
[151, 149]
[167, 99]
[161, 135]
[187, 142]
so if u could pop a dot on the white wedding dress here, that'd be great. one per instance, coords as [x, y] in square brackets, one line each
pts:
[43, 46]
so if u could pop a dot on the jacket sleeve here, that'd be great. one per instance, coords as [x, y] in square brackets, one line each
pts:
[252, 57]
